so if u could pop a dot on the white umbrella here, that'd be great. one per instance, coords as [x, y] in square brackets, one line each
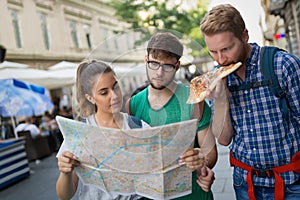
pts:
[131, 73]
[34, 76]
[63, 65]
[7, 64]
[61, 75]
[64, 71]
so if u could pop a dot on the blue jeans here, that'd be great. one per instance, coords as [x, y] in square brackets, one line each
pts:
[291, 192]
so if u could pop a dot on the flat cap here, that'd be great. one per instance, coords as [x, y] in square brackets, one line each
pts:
[166, 41]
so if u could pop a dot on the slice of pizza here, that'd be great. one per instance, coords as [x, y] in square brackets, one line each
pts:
[200, 84]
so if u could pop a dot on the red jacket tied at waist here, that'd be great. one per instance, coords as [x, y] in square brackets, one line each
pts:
[279, 183]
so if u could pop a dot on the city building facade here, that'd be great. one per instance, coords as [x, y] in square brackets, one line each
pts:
[42, 33]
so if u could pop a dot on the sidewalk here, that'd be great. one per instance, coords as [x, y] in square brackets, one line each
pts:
[222, 187]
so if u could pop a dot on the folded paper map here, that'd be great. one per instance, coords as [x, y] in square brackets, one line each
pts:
[136, 161]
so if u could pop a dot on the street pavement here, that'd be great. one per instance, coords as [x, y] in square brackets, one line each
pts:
[41, 183]
[223, 187]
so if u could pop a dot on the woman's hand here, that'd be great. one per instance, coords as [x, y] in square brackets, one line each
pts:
[67, 162]
[193, 159]
[67, 181]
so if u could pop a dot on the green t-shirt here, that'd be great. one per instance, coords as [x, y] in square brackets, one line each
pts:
[175, 110]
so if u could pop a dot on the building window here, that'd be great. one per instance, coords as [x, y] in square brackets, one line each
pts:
[15, 22]
[86, 29]
[105, 36]
[44, 25]
[74, 33]
[116, 42]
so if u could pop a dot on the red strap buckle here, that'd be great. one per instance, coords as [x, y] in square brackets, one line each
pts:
[263, 173]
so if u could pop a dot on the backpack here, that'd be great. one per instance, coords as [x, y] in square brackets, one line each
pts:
[267, 69]
[134, 122]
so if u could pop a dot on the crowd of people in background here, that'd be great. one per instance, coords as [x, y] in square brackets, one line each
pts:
[46, 123]
[28, 125]
[39, 126]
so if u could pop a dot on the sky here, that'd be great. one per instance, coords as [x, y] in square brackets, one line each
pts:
[251, 11]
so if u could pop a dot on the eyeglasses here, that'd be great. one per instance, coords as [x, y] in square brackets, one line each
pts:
[165, 67]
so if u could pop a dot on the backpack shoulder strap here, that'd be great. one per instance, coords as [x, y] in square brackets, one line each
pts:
[134, 122]
[267, 69]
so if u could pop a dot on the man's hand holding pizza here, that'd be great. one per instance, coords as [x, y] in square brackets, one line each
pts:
[219, 93]
[212, 85]
[209, 85]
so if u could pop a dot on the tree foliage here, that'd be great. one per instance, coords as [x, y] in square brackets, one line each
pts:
[164, 15]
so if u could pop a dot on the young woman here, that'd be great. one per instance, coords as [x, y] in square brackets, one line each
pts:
[99, 102]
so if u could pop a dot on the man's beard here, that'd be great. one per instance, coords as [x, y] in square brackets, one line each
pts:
[157, 88]
[163, 86]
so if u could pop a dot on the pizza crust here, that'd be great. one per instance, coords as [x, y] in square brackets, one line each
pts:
[200, 84]
[228, 70]
[224, 73]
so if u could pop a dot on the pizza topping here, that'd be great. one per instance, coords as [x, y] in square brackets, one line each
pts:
[200, 84]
